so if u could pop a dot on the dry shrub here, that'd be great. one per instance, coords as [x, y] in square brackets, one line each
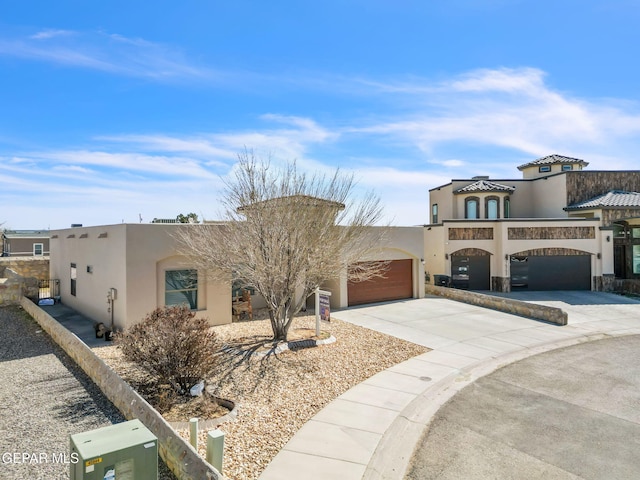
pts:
[173, 346]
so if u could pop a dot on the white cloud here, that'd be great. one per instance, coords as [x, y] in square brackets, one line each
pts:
[110, 53]
[506, 108]
[50, 33]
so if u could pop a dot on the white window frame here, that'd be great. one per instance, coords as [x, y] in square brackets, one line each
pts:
[41, 245]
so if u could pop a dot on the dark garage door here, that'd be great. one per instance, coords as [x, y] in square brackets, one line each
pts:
[471, 272]
[396, 285]
[552, 272]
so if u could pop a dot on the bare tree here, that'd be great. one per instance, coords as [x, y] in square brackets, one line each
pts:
[285, 233]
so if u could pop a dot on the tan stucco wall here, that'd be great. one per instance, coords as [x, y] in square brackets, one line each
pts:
[535, 198]
[130, 258]
[549, 195]
[437, 244]
[442, 196]
[534, 170]
[105, 256]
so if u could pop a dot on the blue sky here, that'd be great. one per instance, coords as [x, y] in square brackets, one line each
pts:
[116, 110]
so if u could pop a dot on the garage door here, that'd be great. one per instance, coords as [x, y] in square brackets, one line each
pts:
[552, 272]
[471, 272]
[396, 284]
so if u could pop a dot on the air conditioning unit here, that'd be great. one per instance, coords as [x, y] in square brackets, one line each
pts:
[125, 451]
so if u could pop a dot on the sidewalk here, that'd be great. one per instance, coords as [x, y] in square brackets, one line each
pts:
[370, 431]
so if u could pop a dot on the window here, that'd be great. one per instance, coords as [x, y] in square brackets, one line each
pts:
[471, 209]
[74, 276]
[38, 249]
[434, 213]
[507, 207]
[566, 168]
[492, 208]
[181, 286]
[544, 168]
[636, 259]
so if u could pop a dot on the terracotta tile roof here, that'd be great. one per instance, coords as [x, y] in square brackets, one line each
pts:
[552, 160]
[614, 198]
[485, 186]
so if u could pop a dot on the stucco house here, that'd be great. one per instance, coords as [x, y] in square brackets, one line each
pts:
[559, 227]
[128, 270]
[25, 243]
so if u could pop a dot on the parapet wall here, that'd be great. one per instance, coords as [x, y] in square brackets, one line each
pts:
[178, 454]
[507, 305]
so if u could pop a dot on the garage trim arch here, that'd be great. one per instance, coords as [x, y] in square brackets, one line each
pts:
[404, 279]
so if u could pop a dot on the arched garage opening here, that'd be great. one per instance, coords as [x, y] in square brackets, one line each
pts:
[396, 284]
[471, 269]
[551, 269]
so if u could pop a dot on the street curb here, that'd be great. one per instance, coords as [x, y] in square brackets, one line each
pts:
[391, 459]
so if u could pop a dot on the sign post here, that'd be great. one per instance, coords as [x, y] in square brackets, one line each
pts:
[323, 308]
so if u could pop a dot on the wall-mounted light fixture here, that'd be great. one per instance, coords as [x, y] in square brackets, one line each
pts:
[506, 256]
[446, 256]
[599, 255]
[608, 238]
[422, 261]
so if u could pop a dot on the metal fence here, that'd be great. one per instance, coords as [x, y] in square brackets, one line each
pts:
[49, 288]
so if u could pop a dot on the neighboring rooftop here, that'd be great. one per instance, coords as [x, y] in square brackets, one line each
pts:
[26, 233]
[485, 186]
[614, 198]
[553, 160]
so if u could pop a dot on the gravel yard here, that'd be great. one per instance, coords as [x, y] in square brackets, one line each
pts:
[44, 398]
[277, 394]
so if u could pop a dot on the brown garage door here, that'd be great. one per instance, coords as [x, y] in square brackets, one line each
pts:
[396, 284]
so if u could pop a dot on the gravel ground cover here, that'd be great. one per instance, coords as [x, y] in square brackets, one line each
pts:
[277, 394]
[44, 398]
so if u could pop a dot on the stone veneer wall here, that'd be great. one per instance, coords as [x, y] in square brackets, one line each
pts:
[507, 305]
[471, 233]
[584, 185]
[28, 267]
[624, 285]
[501, 284]
[178, 454]
[610, 215]
[550, 233]
[19, 277]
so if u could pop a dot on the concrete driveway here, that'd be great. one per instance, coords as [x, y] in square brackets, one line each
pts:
[584, 306]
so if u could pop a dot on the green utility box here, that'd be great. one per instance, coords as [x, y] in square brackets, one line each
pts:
[125, 451]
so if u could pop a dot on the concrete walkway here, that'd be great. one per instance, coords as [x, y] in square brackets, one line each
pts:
[371, 430]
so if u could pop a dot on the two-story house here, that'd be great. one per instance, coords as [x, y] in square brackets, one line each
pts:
[559, 227]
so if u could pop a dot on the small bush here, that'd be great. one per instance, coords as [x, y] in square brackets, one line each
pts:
[173, 346]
